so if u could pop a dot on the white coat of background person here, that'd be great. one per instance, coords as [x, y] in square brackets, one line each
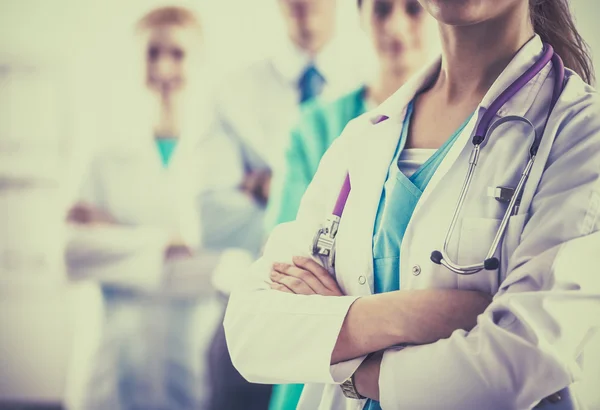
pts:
[136, 230]
[511, 352]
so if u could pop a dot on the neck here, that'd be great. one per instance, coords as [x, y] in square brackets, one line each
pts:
[474, 56]
[387, 83]
[311, 44]
[312, 48]
[169, 118]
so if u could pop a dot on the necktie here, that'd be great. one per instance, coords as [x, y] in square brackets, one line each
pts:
[310, 84]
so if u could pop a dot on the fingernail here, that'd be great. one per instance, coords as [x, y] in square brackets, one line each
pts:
[273, 274]
[279, 266]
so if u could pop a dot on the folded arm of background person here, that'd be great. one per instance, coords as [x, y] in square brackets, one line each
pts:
[303, 330]
[141, 258]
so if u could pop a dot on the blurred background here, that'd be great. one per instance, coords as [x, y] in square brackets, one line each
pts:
[62, 65]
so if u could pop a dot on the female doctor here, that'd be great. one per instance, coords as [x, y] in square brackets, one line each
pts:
[401, 318]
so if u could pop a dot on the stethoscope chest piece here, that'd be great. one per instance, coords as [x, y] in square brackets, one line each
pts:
[323, 244]
[512, 196]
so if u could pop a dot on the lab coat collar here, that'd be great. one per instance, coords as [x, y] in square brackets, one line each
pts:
[394, 107]
[522, 102]
[518, 105]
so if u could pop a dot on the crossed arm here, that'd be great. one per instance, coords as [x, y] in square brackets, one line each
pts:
[375, 323]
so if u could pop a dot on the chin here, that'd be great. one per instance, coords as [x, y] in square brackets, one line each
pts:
[454, 12]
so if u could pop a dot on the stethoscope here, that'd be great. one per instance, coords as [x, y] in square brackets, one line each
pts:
[323, 246]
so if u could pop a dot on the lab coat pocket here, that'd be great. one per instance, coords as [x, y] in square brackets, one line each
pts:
[475, 240]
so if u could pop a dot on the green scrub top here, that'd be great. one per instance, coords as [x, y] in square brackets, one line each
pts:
[398, 201]
[320, 124]
[166, 147]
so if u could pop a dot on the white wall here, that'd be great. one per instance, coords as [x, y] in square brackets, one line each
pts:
[237, 30]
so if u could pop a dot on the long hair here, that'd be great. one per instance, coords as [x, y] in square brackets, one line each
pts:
[553, 21]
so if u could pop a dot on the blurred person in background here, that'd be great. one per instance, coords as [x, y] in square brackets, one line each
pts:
[404, 38]
[260, 104]
[136, 229]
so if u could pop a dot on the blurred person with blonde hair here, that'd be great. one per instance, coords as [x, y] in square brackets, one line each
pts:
[138, 231]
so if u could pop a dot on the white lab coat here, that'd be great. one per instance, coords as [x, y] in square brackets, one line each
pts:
[152, 204]
[260, 104]
[163, 302]
[528, 343]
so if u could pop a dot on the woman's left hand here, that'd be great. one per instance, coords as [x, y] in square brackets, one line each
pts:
[304, 277]
[366, 378]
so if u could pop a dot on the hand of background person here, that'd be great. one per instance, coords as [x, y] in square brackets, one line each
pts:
[86, 214]
[257, 185]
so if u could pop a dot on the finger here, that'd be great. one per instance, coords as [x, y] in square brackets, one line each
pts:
[280, 287]
[296, 285]
[307, 277]
[318, 271]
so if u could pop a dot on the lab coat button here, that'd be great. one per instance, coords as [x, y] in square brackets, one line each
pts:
[362, 280]
[416, 270]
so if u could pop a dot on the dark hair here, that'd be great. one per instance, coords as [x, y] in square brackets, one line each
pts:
[553, 21]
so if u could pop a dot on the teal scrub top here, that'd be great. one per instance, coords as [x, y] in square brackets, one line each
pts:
[320, 124]
[398, 201]
[166, 147]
